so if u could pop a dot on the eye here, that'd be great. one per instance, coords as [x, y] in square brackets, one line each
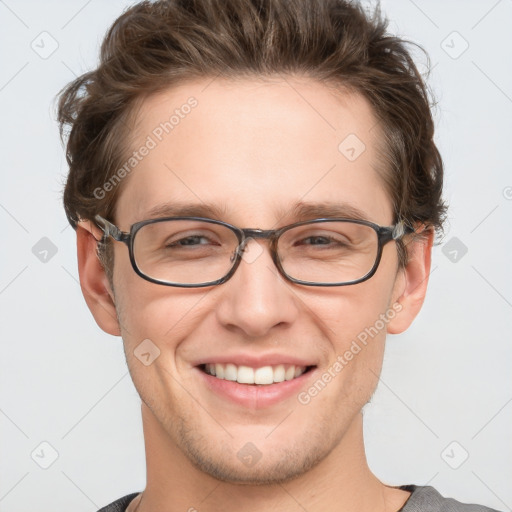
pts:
[323, 240]
[316, 240]
[190, 241]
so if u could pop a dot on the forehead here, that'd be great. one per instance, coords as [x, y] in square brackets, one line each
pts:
[254, 149]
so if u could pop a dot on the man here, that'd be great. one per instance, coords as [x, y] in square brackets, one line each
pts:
[255, 191]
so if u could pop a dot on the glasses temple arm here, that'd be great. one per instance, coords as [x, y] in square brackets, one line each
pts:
[109, 229]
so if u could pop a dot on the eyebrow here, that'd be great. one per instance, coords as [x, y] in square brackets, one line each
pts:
[297, 212]
[209, 211]
[306, 211]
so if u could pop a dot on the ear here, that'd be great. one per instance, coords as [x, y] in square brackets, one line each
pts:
[411, 282]
[93, 279]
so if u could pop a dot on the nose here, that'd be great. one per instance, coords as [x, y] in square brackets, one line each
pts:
[257, 298]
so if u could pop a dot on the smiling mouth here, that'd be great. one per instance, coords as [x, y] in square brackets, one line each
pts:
[262, 376]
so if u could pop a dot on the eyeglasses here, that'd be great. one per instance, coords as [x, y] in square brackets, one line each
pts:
[192, 252]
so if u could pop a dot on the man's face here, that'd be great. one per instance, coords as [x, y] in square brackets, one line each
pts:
[255, 150]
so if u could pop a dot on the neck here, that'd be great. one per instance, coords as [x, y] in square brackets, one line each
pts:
[342, 481]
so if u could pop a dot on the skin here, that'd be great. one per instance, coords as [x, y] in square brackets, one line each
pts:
[254, 148]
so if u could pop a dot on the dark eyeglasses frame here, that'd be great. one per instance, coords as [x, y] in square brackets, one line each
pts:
[385, 234]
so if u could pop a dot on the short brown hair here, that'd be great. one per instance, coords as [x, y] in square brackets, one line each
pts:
[155, 45]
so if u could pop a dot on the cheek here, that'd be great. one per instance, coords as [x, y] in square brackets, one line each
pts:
[354, 320]
[344, 313]
[165, 315]
[154, 324]
[356, 331]
[143, 307]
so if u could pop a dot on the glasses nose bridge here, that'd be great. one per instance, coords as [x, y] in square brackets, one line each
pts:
[258, 233]
[262, 234]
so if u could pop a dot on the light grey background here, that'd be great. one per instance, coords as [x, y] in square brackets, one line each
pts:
[446, 387]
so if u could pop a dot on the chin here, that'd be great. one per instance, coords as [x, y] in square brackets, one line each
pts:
[273, 470]
[258, 459]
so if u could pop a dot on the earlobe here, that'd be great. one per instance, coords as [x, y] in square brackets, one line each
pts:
[411, 283]
[93, 280]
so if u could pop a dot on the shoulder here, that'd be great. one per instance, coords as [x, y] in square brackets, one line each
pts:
[119, 505]
[427, 499]
[422, 499]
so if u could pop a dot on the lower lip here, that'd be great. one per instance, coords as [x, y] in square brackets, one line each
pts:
[256, 396]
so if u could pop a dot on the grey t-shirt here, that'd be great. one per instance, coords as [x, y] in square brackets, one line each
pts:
[422, 499]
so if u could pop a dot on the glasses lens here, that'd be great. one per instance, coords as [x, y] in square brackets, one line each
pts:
[328, 252]
[184, 251]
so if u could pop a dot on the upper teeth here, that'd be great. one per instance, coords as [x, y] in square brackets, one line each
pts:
[248, 375]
